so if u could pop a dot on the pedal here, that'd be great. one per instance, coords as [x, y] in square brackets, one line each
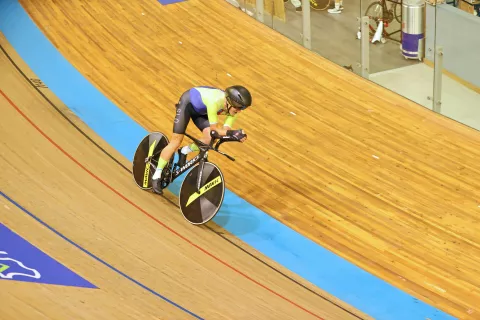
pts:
[167, 174]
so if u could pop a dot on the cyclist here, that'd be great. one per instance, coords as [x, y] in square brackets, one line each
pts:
[203, 105]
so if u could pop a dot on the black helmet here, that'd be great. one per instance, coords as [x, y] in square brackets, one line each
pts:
[239, 97]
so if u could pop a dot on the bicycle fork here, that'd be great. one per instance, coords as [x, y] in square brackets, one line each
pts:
[200, 174]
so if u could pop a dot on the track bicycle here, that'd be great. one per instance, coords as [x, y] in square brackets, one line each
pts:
[203, 189]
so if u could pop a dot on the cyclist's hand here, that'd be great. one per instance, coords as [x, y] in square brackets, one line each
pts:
[238, 135]
[242, 136]
[214, 134]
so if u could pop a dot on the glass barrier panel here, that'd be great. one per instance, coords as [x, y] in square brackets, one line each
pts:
[457, 61]
[334, 31]
[288, 19]
[249, 7]
[398, 31]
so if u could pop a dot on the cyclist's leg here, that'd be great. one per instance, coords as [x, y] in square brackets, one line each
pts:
[182, 118]
[206, 135]
[167, 153]
[202, 123]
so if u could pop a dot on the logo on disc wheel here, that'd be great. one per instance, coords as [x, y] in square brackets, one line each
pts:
[207, 187]
[147, 167]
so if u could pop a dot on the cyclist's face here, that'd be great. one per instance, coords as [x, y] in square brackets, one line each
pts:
[232, 110]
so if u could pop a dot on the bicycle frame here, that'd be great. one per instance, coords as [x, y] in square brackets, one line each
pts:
[201, 158]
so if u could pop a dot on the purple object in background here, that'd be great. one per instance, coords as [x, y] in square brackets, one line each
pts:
[410, 44]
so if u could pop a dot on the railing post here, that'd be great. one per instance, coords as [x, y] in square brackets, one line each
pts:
[306, 29]
[365, 46]
[437, 80]
[259, 10]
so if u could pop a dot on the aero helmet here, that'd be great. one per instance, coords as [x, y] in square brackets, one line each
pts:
[239, 97]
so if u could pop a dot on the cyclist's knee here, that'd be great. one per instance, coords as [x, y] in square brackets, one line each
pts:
[206, 136]
[176, 140]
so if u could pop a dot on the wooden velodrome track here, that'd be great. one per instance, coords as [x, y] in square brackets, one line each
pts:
[387, 184]
[61, 177]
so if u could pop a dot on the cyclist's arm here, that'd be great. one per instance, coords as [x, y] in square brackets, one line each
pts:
[221, 130]
[228, 125]
[213, 105]
[213, 119]
[229, 122]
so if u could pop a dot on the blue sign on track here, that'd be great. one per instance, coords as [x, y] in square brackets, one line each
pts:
[21, 261]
